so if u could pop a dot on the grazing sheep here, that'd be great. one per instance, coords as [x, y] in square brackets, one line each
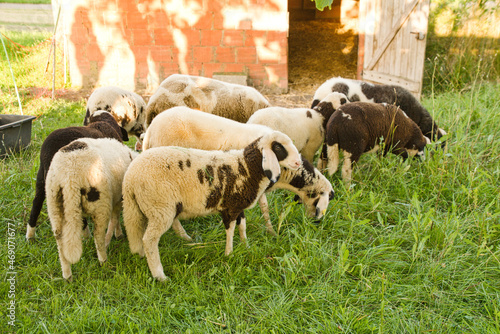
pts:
[185, 127]
[165, 184]
[306, 127]
[101, 125]
[391, 94]
[357, 127]
[125, 106]
[85, 178]
[233, 101]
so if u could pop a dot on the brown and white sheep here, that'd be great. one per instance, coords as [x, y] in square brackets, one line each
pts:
[362, 127]
[165, 184]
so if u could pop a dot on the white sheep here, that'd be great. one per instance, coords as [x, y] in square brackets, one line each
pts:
[85, 178]
[233, 101]
[360, 127]
[391, 94]
[128, 108]
[165, 184]
[306, 127]
[185, 127]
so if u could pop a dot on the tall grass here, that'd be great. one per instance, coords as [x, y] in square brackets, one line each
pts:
[463, 45]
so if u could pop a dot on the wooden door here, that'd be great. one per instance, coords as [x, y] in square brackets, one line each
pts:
[392, 40]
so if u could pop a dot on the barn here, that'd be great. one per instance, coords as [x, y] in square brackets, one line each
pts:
[276, 45]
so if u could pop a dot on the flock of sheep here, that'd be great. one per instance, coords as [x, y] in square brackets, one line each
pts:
[209, 147]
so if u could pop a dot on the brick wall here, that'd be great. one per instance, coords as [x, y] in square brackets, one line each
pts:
[136, 44]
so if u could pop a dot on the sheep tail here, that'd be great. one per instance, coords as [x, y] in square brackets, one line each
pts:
[73, 227]
[134, 221]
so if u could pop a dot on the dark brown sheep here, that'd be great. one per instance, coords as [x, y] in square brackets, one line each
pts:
[360, 127]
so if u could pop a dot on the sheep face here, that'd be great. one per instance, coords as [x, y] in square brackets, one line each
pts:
[278, 150]
[329, 104]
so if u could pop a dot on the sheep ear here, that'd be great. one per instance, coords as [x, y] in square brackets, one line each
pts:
[271, 165]
[124, 134]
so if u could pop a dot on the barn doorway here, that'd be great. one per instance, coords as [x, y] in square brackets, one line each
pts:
[321, 44]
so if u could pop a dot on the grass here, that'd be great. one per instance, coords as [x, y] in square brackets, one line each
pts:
[412, 247]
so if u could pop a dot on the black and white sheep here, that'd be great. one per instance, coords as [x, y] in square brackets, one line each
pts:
[185, 127]
[391, 94]
[233, 101]
[165, 184]
[362, 127]
[125, 106]
[101, 125]
[306, 127]
[85, 178]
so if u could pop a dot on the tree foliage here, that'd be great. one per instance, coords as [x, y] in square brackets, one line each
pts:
[321, 4]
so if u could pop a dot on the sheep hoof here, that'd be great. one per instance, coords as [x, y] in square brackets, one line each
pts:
[101, 263]
[272, 232]
[163, 278]
[120, 237]
[69, 279]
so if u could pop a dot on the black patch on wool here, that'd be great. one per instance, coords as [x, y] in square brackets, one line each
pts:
[191, 102]
[188, 163]
[308, 166]
[201, 175]
[93, 195]
[279, 150]
[341, 88]
[178, 208]
[312, 194]
[74, 146]
[354, 98]
[240, 217]
[241, 169]
[308, 114]
[87, 117]
[181, 164]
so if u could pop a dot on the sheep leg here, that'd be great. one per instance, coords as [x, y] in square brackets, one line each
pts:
[242, 227]
[180, 231]
[333, 158]
[155, 229]
[114, 225]
[101, 222]
[86, 230]
[323, 157]
[229, 237]
[264, 207]
[65, 264]
[36, 207]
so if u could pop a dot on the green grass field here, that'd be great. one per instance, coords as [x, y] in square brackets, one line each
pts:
[412, 247]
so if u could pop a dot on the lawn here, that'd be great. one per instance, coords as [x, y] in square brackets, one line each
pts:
[411, 247]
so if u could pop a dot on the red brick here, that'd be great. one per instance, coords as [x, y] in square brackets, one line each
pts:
[168, 68]
[211, 68]
[279, 36]
[203, 54]
[163, 37]
[211, 37]
[256, 71]
[135, 20]
[234, 37]
[225, 55]
[246, 55]
[218, 22]
[161, 53]
[141, 54]
[238, 67]
[94, 53]
[192, 36]
[205, 21]
[252, 35]
[142, 37]
[245, 24]
[280, 70]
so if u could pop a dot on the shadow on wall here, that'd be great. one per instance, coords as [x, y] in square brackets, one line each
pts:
[136, 46]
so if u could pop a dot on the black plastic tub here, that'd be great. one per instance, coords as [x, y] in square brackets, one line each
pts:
[15, 133]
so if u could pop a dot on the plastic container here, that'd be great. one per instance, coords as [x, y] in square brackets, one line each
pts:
[15, 133]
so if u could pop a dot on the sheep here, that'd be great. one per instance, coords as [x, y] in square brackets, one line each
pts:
[357, 127]
[306, 127]
[392, 94]
[85, 178]
[233, 101]
[125, 106]
[182, 126]
[101, 125]
[165, 184]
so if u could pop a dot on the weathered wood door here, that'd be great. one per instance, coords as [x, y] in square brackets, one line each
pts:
[392, 40]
